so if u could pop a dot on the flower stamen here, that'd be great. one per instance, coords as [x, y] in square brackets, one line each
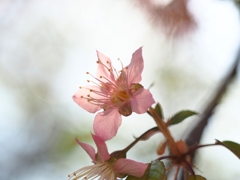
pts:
[99, 170]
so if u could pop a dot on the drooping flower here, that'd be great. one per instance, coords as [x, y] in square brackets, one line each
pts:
[116, 92]
[106, 167]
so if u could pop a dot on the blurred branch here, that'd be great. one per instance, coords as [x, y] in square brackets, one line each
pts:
[195, 135]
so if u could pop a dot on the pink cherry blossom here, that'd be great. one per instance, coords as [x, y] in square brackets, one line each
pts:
[105, 166]
[116, 92]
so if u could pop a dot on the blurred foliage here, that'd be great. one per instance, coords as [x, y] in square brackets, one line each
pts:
[177, 85]
[29, 67]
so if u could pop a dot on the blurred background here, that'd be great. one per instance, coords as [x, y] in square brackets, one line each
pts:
[47, 46]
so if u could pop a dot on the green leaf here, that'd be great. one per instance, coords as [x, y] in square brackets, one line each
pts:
[159, 110]
[232, 146]
[157, 171]
[180, 116]
[196, 177]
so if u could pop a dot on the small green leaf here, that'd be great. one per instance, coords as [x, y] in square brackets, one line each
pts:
[180, 116]
[157, 171]
[159, 110]
[232, 146]
[196, 177]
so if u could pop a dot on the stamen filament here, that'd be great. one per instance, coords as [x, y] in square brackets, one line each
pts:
[101, 170]
[100, 62]
[111, 89]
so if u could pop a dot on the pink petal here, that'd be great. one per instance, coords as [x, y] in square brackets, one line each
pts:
[141, 101]
[135, 68]
[101, 147]
[89, 149]
[83, 102]
[104, 67]
[106, 123]
[127, 166]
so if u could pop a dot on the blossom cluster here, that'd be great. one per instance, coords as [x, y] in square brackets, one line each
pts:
[116, 93]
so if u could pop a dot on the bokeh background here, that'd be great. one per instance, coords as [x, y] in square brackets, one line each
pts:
[47, 46]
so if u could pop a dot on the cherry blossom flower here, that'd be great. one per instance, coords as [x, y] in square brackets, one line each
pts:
[106, 167]
[116, 92]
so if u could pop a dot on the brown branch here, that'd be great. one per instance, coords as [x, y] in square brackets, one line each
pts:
[195, 135]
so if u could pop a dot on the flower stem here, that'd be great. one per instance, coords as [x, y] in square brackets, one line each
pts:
[164, 129]
[142, 137]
